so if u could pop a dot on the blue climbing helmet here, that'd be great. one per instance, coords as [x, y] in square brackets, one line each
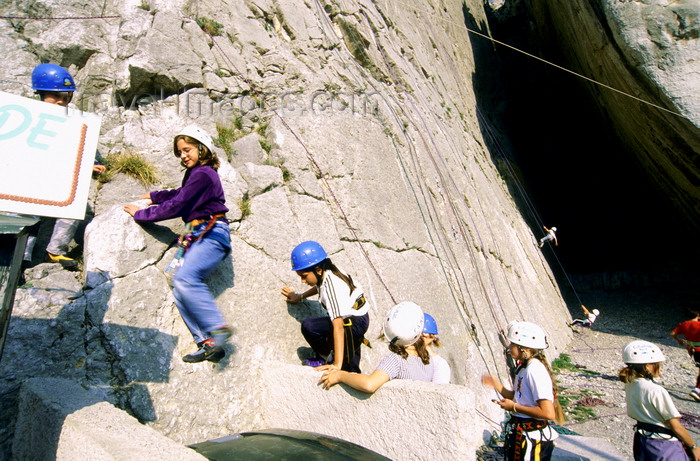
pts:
[429, 324]
[51, 77]
[307, 254]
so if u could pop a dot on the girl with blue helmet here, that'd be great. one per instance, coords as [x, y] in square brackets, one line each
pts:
[336, 339]
[430, 339]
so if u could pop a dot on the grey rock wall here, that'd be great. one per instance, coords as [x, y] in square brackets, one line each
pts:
[60, 420]
[357, 127]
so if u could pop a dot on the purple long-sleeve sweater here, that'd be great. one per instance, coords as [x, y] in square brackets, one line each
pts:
[200, 196]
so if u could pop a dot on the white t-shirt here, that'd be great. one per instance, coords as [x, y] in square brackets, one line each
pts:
[532, 383]
[336, 297]
[649, 403]
[442, 372]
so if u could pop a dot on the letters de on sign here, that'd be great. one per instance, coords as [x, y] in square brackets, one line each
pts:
[46, 157]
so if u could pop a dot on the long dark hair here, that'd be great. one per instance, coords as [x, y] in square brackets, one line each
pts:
[538, 354]
[638, 370]
[327, 265]
[421, 349]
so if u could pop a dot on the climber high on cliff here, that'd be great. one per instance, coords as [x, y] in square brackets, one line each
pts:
[551, 235]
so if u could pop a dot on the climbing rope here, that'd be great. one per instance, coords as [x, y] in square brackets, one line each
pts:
[530, 55]
[499, 151]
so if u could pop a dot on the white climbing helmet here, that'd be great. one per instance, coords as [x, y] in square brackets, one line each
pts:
[554, 229]
[404, 324]
[527, 334]
[197, 133]
[596, 312]
[642, 352]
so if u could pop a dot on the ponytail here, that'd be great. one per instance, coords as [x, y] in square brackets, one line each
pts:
[420, 347]
[638, 370]
[538, 354]
[327, 265]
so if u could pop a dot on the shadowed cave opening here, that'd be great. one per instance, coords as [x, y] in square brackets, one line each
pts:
[578, 174]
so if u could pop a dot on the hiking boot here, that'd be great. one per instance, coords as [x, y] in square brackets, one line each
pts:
[65, 262]
[205, 352]
[695, 394]
[221, 335]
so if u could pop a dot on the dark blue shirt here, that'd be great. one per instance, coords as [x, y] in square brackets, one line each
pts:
[200, 196]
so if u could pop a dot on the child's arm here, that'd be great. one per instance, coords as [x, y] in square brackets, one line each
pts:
[364, 383]
[131, 208]
[338, 342]
[680, 341]
[490, 381]
[684, 436]
[543, 410]
[294, 297]
[585, 311]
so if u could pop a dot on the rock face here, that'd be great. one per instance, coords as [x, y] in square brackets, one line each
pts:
[645, 55]
[354, 124]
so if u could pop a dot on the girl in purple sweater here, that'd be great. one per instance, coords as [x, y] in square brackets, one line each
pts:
[200, 202]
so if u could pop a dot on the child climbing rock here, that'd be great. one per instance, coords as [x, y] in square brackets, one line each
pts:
[690, 330]
[658, 433]
[532, 402]
[336, 339]
[409, 357]
[590, 319]
[551, 235]
[200, 202]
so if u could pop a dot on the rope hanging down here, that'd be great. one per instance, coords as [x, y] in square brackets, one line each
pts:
[521, 189]
[530, 55]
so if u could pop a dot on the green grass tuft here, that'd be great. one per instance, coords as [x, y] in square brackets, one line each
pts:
[563, 363]
[131, 164]
[210, 26]
[244, 205]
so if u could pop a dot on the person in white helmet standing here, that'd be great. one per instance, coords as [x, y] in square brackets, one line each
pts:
[409, 357]
[200, 202]
[532, 402]
[551, 236]
[591, 317]
[658, 433]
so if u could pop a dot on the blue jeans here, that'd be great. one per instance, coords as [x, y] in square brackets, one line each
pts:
[192, 296]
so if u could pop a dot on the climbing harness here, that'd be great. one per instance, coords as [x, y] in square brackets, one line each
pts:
[188, 238]
[653, 431]
[521, 430]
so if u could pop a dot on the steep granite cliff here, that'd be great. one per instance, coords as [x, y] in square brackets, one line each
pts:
[354, 123]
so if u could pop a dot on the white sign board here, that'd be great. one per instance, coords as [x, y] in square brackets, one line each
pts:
[47, 153]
